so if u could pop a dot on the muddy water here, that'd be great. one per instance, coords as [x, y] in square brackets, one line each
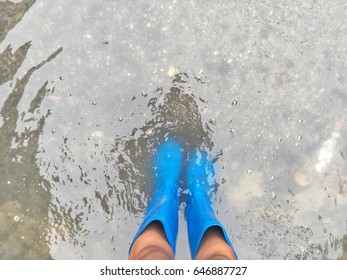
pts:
[87, 93]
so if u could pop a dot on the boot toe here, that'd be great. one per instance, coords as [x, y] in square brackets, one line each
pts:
[168, 161]
[199, 170]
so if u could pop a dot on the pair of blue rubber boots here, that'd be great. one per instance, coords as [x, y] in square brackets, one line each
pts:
[164, 204]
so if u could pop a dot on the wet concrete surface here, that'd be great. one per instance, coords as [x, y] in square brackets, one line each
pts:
[87, 92]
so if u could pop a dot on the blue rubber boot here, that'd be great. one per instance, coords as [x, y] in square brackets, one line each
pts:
[164, 204]
[200, 215]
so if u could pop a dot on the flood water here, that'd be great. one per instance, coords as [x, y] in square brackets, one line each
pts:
[88, 90]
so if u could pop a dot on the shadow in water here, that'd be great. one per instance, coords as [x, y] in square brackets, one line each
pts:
[176, 115]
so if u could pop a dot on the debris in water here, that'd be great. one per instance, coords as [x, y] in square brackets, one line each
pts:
[172, 71]
[301, 179]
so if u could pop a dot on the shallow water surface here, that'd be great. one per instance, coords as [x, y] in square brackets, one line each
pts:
[87, 92]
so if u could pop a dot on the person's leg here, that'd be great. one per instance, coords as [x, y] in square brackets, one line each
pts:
[156, 236]
[208, 238]
[214, 247]
[152, 244]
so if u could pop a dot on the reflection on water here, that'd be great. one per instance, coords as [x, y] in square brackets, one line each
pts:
[11, 13]
[10, 62]
[79, 127]
[24, 200]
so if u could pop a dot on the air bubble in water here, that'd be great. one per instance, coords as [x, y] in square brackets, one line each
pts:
[273, 195]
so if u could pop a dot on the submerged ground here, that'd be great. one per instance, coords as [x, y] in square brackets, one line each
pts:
[87, 91]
